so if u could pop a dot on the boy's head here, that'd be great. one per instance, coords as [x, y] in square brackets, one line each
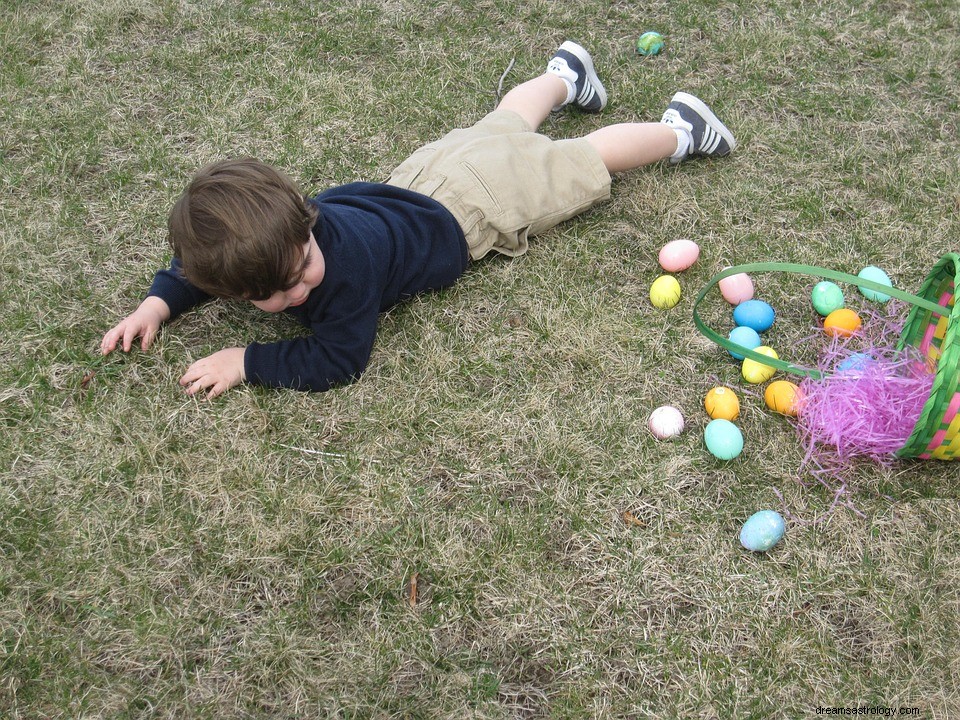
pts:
[239, 230]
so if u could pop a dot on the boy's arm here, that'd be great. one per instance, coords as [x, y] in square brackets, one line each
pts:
[335, 354]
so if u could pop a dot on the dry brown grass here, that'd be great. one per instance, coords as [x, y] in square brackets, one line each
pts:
[252, 556]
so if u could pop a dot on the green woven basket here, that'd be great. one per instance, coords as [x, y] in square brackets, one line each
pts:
[933, 326]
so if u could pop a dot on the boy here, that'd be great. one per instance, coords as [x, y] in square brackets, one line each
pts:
[242, 230]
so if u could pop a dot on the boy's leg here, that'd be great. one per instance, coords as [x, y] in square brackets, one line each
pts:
[569, 78]
[632, 145]
[534, 99]
[688, 129]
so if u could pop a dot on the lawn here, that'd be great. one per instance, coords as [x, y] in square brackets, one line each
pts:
[482, 526]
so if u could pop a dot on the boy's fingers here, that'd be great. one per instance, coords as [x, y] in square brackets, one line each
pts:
[109, 341]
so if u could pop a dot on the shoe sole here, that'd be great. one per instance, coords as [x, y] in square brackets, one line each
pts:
[703, 111]
[584, 57]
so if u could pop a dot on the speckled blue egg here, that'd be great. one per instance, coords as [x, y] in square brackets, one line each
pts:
[723, 439]
[762, 530]
[754, 314]
[745, 337]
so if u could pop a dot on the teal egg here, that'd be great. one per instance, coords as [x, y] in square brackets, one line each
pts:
[827, 297]
[723, 439]
[745, 337]
[872, 272]
[650, 43]
[754, 314]
[762, 531]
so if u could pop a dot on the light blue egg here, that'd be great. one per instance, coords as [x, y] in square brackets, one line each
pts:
[762, 530]
[745, 337]
[723, 439]
[754, 314]
[858, 361]
[872, 272]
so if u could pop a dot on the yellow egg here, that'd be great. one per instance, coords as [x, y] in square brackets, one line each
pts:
[721, 403]
[783, 396]
[842, 323]
[665, 292]
[755, 371]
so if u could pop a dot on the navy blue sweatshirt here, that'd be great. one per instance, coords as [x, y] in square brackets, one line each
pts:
[380, 245]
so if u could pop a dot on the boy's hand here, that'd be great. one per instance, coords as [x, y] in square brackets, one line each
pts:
[144, 322]
[215, 373]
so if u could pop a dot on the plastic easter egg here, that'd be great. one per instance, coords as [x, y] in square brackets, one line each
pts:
[678, 255]
[782, 396]
[754, 371]
[855, 362]
[872, 272]
[745, 337]
[841, 323]
[754, 314]
[723, 439]
[722, 403]
[665, 292]
[826, 297]
[762, 531]
[736, 288]
[665, 422]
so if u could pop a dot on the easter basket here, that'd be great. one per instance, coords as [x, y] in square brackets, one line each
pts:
[932, 326]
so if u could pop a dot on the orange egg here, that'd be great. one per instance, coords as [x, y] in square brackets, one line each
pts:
[722, 403]
[842, 323]
[782, 396]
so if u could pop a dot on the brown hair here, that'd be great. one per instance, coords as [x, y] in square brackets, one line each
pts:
[239, 229]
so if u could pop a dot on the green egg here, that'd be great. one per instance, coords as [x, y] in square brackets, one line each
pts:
[826, 297]
[650, 43]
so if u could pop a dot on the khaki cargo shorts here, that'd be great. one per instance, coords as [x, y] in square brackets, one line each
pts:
[503, 182]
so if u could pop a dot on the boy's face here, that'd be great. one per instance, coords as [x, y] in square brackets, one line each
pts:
[310, 277]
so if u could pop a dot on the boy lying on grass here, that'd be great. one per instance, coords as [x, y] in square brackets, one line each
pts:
[242, 230]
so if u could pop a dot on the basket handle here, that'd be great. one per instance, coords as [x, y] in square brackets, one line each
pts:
[802, 270]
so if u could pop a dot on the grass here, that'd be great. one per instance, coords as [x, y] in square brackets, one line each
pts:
[253, 556]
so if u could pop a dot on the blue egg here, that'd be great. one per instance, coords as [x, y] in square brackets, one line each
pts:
[872, 272]
[754, 314]
[762, 531]
[723, 439]
[745, 337]
[857, 361]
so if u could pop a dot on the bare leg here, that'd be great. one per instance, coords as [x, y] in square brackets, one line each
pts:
[633, 145]
[622, 147]
[534, 99]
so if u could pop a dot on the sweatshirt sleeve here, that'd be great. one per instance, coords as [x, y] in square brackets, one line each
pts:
[336, 353]
[175, 290]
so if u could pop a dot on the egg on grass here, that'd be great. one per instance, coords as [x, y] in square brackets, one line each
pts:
[723, 403]
[756, 372]
[754, 314]
[723, 439]
[678, 255]
[665, 422]
[665, 292]
[762, 530]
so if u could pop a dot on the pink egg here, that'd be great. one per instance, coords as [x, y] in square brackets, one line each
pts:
[678, 255]
[737, 288]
